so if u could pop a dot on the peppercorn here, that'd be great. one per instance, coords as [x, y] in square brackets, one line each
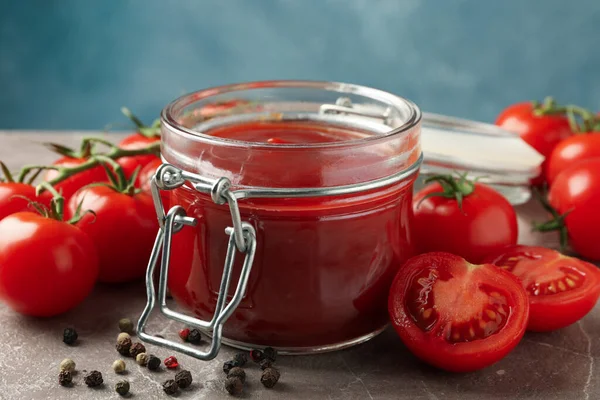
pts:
[153, 363]
[70, 336]
[142, 359]
[270, 353]
[170, 387]
[183, 378]
[194, 337]
[136, 349]
[67, 365]
[257, 355]
[184, 333]
[125, 325]
[119, 366]
[264, 364]
[269, 377]
[123, 336]
[65, 378]
[171, 362]
[229, 365]
[240, 359]
[234, 385]
[122, 387]
[237, 372]
[93, 379]
[123, 346]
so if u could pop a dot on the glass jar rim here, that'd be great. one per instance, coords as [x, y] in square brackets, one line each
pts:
[170, 113]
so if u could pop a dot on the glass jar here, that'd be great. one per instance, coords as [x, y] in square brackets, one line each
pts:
[331, 216]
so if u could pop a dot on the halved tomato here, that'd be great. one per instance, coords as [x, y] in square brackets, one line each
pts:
[561, 289]
[454, 315]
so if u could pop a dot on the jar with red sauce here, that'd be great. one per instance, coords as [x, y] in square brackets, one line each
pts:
[290, 213]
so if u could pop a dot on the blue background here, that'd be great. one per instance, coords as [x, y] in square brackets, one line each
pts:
[73, 64]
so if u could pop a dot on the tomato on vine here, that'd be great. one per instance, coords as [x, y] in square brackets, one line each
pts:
[16, 194]
[144, 136]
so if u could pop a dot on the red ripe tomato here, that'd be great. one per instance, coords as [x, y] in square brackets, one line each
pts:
[542, 133]
[47, 266]
[576, 191]
[11, 202]
[123, 230]
[135, 142]
[571, 150]
[561, 289]
[69, 186]
[484, 222]
[455, 315]
[144, 178]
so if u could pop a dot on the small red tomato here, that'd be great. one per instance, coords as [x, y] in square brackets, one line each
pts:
[455, 315]
[542, 132]
[145, 136]
[484, 221]
[15, 197]
[571, 150]
[72, 184]
[576, 192]
[123, 230]
[47, 266]
[561, 289]
[144, 181]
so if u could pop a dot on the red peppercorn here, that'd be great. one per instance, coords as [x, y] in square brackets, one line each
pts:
[171, 362]
[184, 333]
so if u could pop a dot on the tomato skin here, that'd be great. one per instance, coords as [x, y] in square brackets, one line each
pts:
[486, 223]
[432, 346]
[534, 266]
[135, 142]
[542, 133]
[123, 230]
[577, 190]
[47, 267]
[69, 186]
[144, 177]
[573, 149]
[12, 205]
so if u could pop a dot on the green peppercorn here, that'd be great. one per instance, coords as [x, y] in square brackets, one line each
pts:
[125, 325]
[67, 365]
[123, 336]
[119, 366]
[183, 378]
[65, 378]
[142, 359]
[122, 387]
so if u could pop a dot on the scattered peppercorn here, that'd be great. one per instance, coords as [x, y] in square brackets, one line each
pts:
[264, 364]
[234, 385]
[70, 336]
[183, 378]
[93, 379]
[240, 359]
[142, 359]
[257, 355]
[119, 366]
[122, 387]
[184, 333]
[153, 363]
[194, 337]
[67, 365]
[228, 365]
[170, 387]
[65, 378]
[269, 377]
[270, 353]
[237, 372]
[136, 349]
[171, 362]
[123, 346]
[123, 336]
[125, 325]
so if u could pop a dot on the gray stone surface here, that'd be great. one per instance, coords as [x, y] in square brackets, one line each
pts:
[560, 365]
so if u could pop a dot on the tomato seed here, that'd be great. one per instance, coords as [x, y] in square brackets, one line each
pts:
[427, 313]
[491, 314]
[570, 282]
[561, 286]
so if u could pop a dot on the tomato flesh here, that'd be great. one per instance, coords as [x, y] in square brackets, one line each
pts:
[455, 315]
[561, 289]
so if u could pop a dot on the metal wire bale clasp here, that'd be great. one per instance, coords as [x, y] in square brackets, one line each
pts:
[242, 237]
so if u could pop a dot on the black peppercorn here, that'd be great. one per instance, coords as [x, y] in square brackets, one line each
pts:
[194, 337]
[136, 349]
[264, 364]
[237, 372]
[228, 365]
[123, 346]
[65, 378]
[153, 363]
[170, 387]
[70, 336]
[240, 359]
[122, 387]
[183, 378]
[234, 385]
[93, 379]
[257, 355]
[269, 377]
[270, 353]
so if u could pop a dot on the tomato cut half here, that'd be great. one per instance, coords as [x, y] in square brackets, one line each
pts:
[561, 289]
[454, 315]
